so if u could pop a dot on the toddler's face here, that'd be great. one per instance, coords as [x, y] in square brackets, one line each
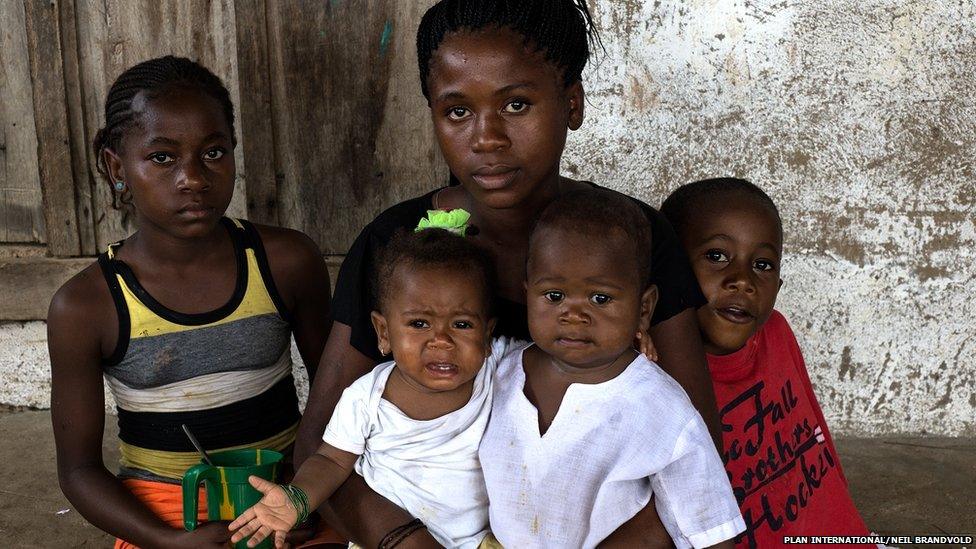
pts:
[735, 251]
[583, 297]
[436, 324]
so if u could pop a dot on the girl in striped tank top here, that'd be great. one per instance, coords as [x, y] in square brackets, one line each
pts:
[188, 320]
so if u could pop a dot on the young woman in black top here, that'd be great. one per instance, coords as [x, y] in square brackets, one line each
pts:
[503, 83]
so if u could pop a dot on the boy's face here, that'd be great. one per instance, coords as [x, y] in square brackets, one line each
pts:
[500, 114]
[735, 250]
[436, 324]
[583, 297]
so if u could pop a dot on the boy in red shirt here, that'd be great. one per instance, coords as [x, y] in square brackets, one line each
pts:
[779, 455]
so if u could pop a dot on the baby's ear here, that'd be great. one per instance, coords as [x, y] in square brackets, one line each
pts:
[382, 332]
[489, 329]
[648, 301]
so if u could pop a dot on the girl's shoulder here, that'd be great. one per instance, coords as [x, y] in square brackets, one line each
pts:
[85, 293]
[84, 297]
[287, 247]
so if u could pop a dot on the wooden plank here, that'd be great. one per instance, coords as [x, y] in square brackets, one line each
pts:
[114, 35]
[51, 123]
[83, 179]
[91, 21]
[352, 130]
[256, 132]
[21, 207]
[27, 285]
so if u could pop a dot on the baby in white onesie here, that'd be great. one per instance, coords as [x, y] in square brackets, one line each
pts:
[584, 429]
[412, 426]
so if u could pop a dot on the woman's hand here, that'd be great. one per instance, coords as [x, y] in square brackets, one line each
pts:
[274, 513]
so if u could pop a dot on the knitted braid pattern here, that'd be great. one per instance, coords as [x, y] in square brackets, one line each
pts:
[561, 29]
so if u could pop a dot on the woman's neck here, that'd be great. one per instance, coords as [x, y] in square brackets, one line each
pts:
[513, 225]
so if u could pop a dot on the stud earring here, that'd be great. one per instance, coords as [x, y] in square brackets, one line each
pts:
[120, 186]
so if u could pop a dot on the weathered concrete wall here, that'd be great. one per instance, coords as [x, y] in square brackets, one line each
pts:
[857, 116]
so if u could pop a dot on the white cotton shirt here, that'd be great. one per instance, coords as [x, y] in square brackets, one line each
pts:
[610, 446]
[430, 468]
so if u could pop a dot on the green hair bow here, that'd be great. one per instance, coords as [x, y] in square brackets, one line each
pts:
[455, 221]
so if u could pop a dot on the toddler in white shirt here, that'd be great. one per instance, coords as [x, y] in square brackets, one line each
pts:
[584, 429]
[412, 426]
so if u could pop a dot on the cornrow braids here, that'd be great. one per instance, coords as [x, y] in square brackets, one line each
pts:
[154, 76]
[688, 200]
[562, 30]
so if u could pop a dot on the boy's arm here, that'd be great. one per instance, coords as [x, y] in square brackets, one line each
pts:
[679, 346]
[692, 492]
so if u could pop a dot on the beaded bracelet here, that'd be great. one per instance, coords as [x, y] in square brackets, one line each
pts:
[299, 500]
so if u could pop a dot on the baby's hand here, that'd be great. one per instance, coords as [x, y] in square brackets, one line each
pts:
[645, 345]
[274, 513]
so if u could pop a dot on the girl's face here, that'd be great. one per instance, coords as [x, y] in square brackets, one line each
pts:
[582, 293]
[177, 160]
[435, 321]
[500, 114]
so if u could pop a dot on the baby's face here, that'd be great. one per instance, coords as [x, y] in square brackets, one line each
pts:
[436, 324]
[583, 297]
[735, 250]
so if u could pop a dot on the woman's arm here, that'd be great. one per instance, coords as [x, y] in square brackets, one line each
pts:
[679, 346]
[78, 415]
[354, 510]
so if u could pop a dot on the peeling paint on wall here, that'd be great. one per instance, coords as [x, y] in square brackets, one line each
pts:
[858, 118]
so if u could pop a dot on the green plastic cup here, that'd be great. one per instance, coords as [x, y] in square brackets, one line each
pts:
[228, 492]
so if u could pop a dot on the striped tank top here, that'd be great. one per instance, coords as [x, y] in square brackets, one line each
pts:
[226, 373]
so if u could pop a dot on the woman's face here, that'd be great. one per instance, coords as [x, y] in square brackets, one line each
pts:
[500, 113]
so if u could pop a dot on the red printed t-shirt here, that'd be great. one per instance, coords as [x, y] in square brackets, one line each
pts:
[778, 453]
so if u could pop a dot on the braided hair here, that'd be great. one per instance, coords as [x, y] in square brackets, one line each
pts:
[560, 29]
[690, 199]
[155, 77]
